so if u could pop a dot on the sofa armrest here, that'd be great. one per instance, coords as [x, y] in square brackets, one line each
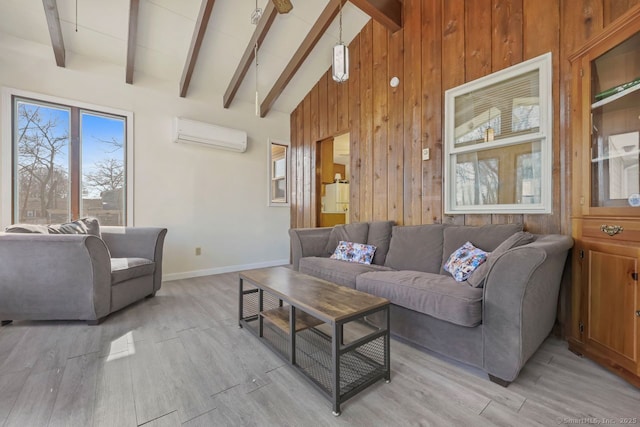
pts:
[137, 242]
[54, 277]
[520, 302]
[308, 242]
[134, 242]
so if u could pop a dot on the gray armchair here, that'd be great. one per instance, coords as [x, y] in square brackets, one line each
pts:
[78, 276]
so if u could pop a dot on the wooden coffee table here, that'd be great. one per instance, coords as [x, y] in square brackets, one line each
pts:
[317, 327]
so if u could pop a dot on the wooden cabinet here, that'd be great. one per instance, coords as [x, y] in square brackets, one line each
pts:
[608, 327]
[605, 122]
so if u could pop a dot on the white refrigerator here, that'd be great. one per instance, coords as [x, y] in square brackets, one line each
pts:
[336, 199]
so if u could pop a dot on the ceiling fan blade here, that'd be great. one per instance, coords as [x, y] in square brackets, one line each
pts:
[282, 6]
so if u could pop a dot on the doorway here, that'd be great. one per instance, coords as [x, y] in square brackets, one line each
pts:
[332, 181]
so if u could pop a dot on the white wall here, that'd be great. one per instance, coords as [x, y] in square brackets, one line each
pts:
[207, 198]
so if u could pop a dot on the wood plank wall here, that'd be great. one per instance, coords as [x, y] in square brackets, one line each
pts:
[443, 44]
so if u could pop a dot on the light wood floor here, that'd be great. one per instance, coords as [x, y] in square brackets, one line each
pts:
[180, 359]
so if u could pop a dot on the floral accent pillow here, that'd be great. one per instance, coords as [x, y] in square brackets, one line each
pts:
[354, 252]
[464, 260]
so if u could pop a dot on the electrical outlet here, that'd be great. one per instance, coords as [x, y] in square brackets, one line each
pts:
[425, 154]
[198, 251]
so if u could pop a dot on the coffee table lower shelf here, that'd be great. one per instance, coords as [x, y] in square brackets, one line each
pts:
[359, 367]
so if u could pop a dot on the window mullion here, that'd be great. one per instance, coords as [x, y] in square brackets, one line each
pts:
[514, 140]
[74, 163]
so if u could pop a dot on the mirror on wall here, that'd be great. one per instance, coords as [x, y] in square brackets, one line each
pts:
[278, 173]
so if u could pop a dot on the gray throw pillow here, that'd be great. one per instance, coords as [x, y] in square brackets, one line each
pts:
[27, 228]
[93, 225]
[380, 237]
[356, 233]
[518, 239]
[416, 248]
[87, 225]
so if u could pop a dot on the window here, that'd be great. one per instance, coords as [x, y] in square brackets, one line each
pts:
[278, 174]
[68, 161]
[498, 142]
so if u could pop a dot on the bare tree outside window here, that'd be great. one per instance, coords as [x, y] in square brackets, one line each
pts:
[47, 190]
[43, 163]
[107, 175]
[103, 168]
[477, 182]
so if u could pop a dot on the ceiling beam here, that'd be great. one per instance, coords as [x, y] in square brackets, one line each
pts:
[55, 31]
[385, 12]
[196, 41]
[326, 17]
[249, 53]
[131, 40]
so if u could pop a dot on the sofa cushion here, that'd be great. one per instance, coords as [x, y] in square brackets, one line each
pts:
[354, 252]
[476, 279]
[129, 268]
[339, 272]
[464, 261]
[28, 228]
[356, 233]
[380, 237]
[416, 247]
[432, 294]
[486, 237]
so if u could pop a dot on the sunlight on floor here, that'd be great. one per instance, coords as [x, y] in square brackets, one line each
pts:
[121, 347]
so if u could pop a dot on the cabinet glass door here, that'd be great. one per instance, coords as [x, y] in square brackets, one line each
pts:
[615, 126]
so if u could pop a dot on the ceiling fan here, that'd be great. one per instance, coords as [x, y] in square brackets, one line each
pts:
[282, 6]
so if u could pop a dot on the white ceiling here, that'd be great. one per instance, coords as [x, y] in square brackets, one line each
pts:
[165, 29]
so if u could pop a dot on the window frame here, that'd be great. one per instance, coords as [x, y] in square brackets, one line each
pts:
[8, 154]
[272, 202]
[544, 134]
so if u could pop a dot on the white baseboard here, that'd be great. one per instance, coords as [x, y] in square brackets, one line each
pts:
[219, 270]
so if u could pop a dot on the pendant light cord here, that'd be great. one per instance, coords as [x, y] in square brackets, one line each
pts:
[340, 22]
[257, 14]
[76, 16]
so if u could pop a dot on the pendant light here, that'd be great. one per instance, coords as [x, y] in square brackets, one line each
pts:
[340, 60]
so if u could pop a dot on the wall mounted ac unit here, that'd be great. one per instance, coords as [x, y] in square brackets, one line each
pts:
[208, 135]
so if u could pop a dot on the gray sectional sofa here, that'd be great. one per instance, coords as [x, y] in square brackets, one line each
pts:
[77, 276]
[496, 327]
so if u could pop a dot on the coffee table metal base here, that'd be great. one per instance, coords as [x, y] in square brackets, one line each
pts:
[338, 370]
